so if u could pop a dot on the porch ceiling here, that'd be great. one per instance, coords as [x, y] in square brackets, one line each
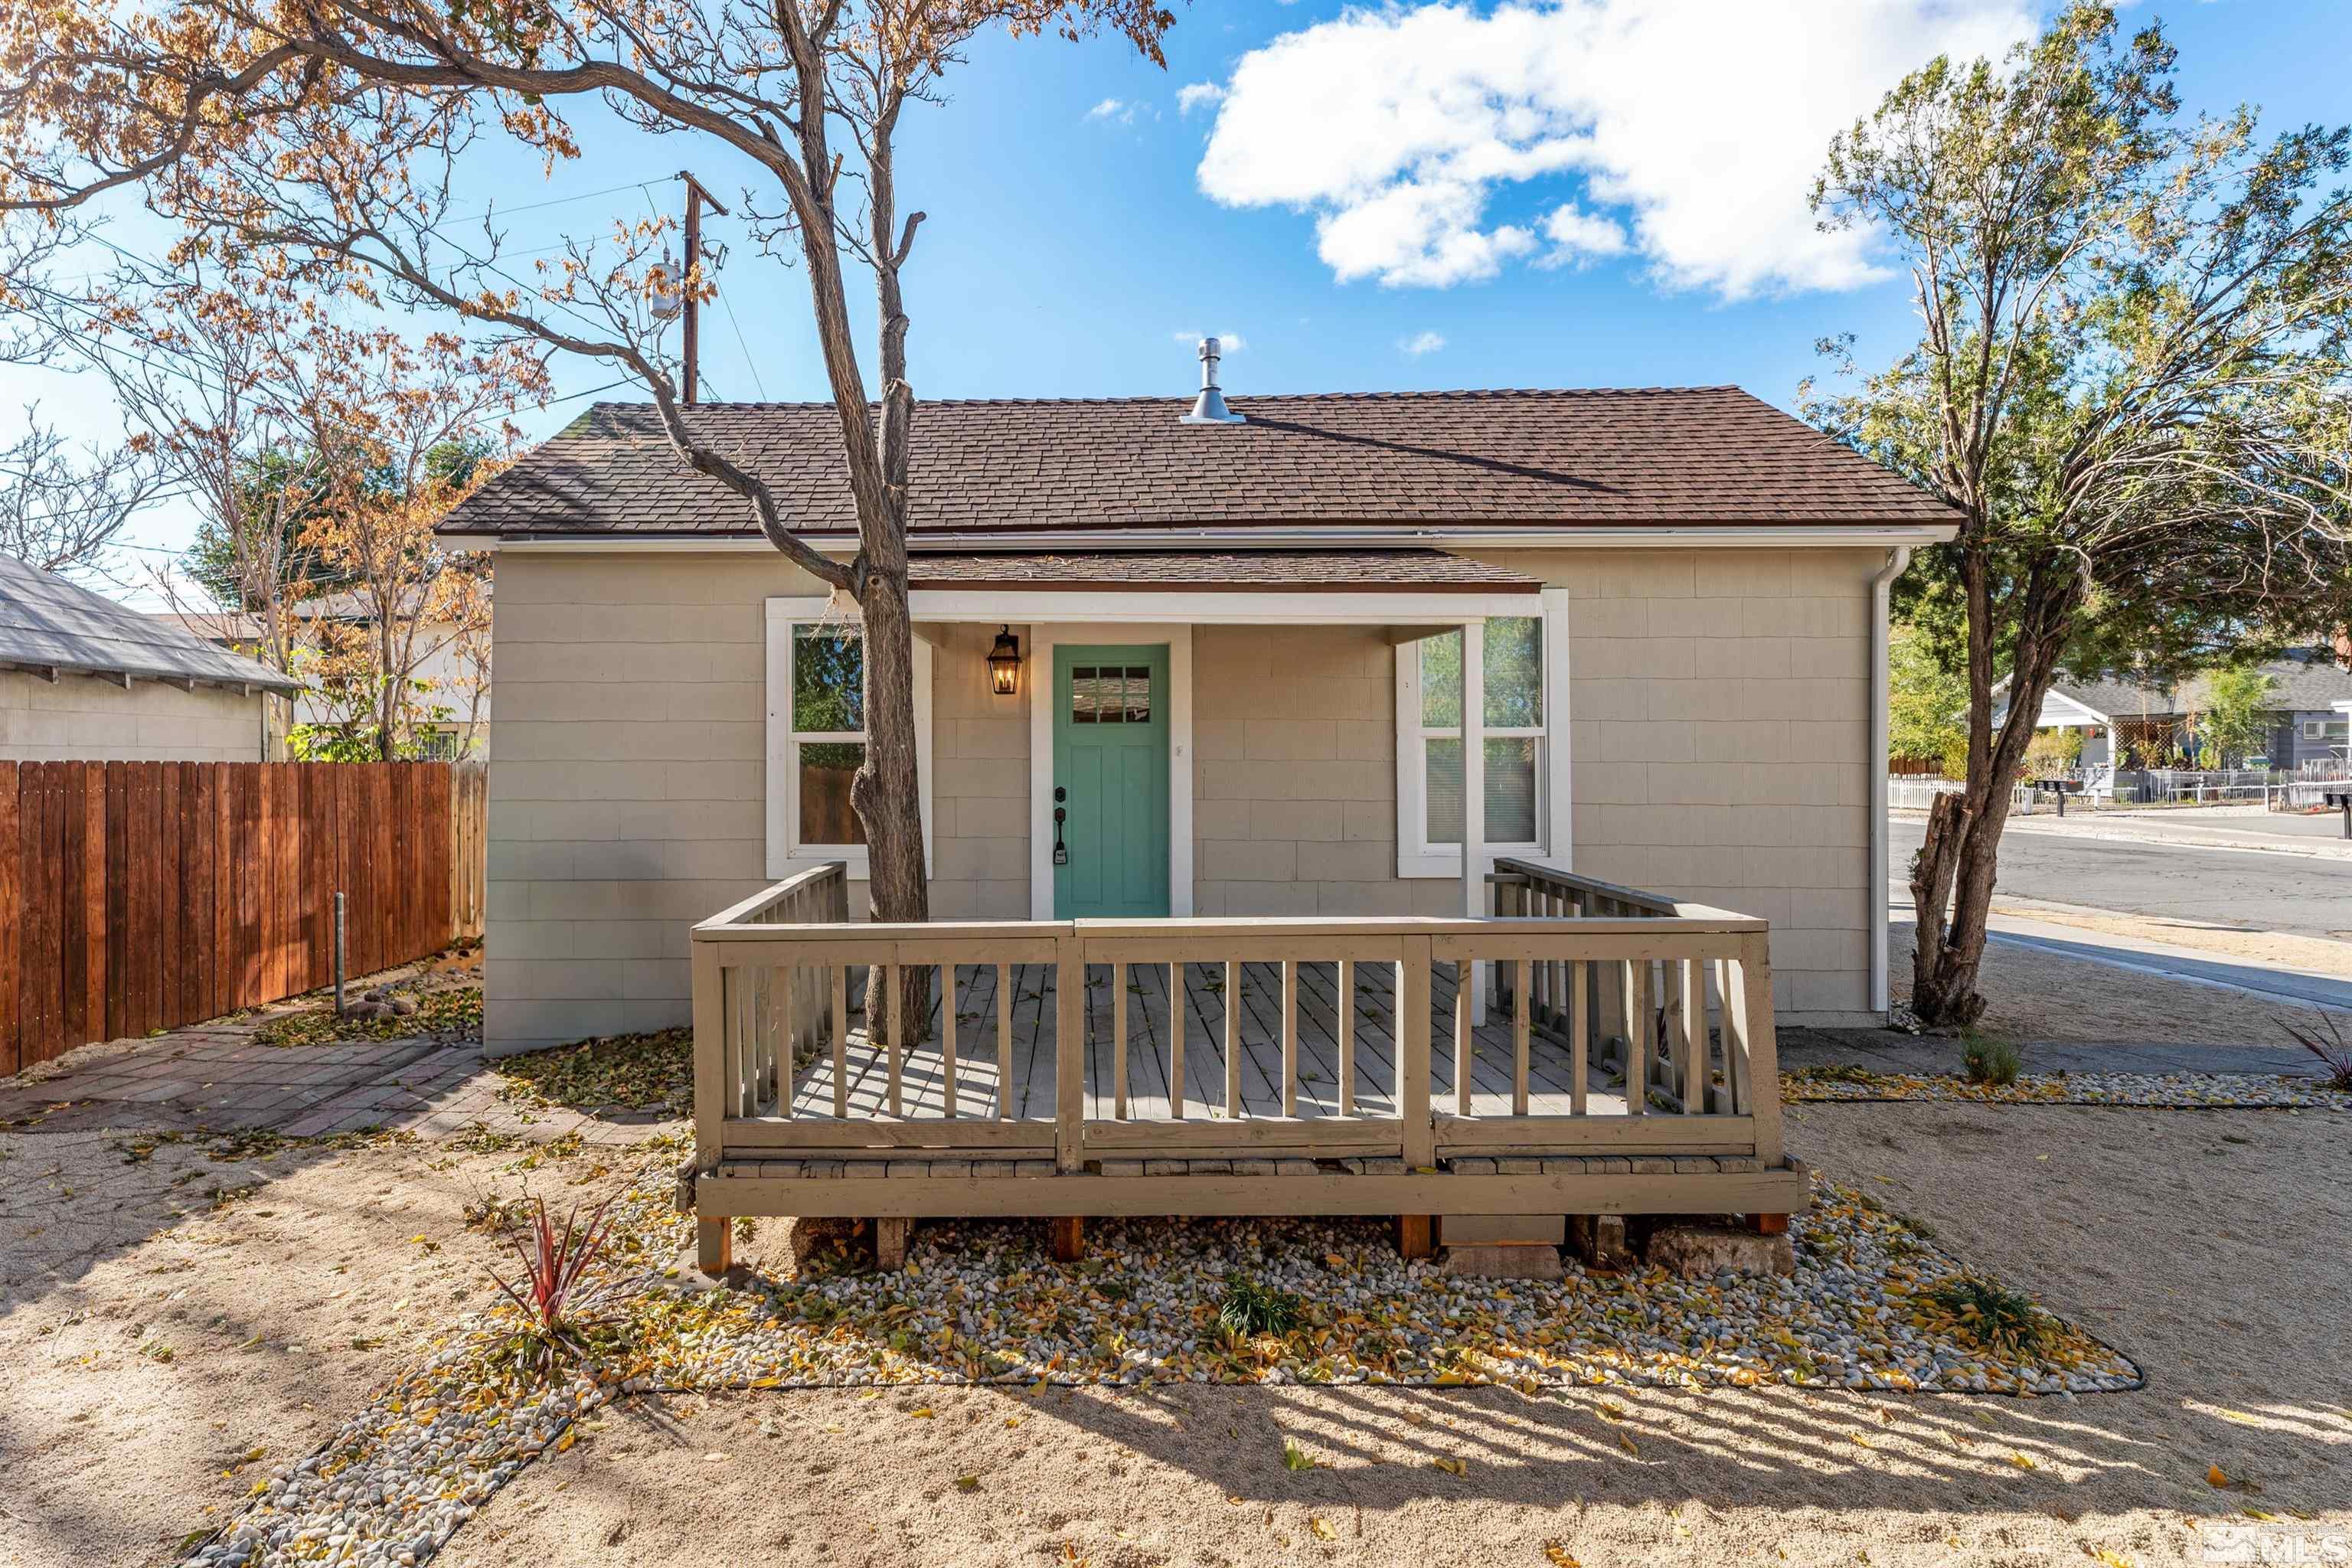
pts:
[1424, 589]
[1245, 571]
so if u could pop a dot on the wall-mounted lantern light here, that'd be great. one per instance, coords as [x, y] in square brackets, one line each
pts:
[1004, 663]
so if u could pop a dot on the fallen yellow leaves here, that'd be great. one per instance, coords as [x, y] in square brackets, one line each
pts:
[2107, 1559]
[967, 1483]
[1322, 1527]
[1451, 1466]
[1557, 1555]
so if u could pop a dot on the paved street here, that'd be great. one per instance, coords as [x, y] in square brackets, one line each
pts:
[2303, 894]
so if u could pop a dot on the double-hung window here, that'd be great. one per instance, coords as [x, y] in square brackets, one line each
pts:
[1517, 810]
[816, 735]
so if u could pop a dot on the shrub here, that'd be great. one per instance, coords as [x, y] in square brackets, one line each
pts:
[1993, 1315]
[553, 1293]
[1249, 1309]
[1992, 1061]
[2324, 1038]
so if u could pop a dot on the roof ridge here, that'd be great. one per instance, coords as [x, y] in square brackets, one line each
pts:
[1408, 396]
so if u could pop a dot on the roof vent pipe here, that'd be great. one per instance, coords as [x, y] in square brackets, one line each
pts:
[1209, 408]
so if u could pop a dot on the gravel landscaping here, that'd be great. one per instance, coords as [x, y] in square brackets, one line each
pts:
[2151, 1091]
[981, 1302]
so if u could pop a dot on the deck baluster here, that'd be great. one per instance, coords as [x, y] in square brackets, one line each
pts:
[1347, 1010]
[1232, 1038]
[1290, 1036]
[1004, 1041]
[1119, 1040]
[947, 1032]
[1176, 1041]
[1521, 1003]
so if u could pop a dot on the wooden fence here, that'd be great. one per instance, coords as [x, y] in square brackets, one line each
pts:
[143, 896]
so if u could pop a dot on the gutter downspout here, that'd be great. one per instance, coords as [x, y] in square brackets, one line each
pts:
[1881, 586]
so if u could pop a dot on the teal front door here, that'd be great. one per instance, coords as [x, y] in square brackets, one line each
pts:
[1111, 782]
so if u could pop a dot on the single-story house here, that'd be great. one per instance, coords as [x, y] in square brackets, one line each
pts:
[82, 678]
[1239, 639]
[2310, 694]
[452, 672]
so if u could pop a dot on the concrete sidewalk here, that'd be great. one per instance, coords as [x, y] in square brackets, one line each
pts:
[2268, 833]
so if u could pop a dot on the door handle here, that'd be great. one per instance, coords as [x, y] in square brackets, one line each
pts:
[1061, 851]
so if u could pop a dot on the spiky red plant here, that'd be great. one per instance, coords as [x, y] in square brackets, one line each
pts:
[2334, 1051]
[553, 1293]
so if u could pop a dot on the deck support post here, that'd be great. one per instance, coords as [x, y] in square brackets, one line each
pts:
[1766, 1224]
[713, 1238]
[1069, 1237]
[714, 1245]
[1416, 1236]
[891, 1244]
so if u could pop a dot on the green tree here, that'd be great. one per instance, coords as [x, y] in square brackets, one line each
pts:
[1927, 701]
[2130, 389]
[276, 490]
[2233, 720]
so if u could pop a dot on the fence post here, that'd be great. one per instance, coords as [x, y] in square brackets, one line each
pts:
[339, 954]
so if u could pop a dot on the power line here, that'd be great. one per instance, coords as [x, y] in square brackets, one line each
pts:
[746, 347]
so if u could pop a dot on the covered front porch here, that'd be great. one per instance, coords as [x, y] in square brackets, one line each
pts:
[1625, 1064]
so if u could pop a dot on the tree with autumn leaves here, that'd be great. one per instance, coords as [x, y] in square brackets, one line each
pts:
[318, 453]
[327, 140]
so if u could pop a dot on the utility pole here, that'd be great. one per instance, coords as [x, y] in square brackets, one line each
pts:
[694, 196]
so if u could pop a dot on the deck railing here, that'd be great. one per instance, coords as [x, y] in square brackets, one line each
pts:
[1325, 1026]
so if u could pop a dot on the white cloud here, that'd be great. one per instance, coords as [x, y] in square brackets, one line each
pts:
[1421, 344]
[1228, 343]
[1579, 236]
[1694, 127]
[1195, 95]
[1121, 112]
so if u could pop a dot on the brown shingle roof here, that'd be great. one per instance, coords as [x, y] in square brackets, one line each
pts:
[1417, 570]
[1695, 454]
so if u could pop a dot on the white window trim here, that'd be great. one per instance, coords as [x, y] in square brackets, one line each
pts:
[1418, 858]
[785, 855]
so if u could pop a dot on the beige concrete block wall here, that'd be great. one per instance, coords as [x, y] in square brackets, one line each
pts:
[980, 782]
[1294, 783]
[1719, 736]
[82, 718]
[1719, 740]
[627, 790]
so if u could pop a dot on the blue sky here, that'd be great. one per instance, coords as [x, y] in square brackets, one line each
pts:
[1595, 193]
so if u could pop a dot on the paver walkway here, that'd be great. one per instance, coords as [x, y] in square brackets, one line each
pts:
[218, 1077]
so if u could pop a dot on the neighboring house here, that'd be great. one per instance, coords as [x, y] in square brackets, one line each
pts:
[82, 678]
[1234, 641]
[455, 679]
[2311, 696]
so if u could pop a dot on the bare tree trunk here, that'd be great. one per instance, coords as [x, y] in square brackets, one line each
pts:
[1960, 853]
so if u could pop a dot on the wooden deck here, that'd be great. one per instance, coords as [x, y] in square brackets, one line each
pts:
[1194, 1065]
[1031, 1090]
